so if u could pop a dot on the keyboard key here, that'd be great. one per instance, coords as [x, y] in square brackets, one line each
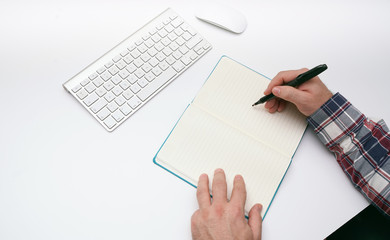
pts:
[152, 52]
[98, 105]
[165, 41]
[179, 31]
[103, 114]
[109, 122]
[156, 84]
[169, 28]
[76, 88]
[132, 78]
[128, 59]
[105, 76]
[98, 82]
[159, 46]
[131, 68]
[195, 40]
[150, 76]
[177, 22]
[91, 99]
[184, 49]
[135, 88]
[117, 115]
[82, 94]
[160, 56]
[178, 66]
[172, 36]
[90, 88]
[124, 52]
[124, 84]
[101, 70]
[135, 53]
[142, 82]
[153, 62]
[117, 90]
[120, 100]
[131, 47]
[112, 106]
[127, 94]
[108, 85]
[116, 79]
[125, 109]
[139, 73]
[109, 96]
[177, 55]
[186, 60]
[174, 46]
[117, 58]
[146, 67]
[157, 71]
[113, 70]
[145, 57]
[163, 65]
[109, 64]
[138, 62]
[170, 60]
[93, 76]
[121, 64]
[101, 91]
[134, 102]
[84, 82]
[142, 48]
[124, 73]
[180, 41]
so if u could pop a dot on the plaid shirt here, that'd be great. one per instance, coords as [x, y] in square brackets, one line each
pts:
[361, 146]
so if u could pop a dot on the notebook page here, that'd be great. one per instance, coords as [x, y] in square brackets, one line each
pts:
[229, 93]
[201, 143]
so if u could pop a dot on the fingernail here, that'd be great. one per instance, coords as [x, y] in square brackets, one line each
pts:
[237, 177]
[203, 175]
[276, 91]
[259, 207]
[218, 170]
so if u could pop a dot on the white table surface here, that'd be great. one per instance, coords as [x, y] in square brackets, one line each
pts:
[62, 176]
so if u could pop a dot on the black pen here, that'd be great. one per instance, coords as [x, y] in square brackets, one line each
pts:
[304, 77]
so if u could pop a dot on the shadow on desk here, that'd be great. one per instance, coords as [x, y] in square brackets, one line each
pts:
[368, 224]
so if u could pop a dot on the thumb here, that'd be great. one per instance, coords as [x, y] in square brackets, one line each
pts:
[288, 93]
[255, 221]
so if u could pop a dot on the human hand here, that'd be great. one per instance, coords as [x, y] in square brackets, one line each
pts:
[220, 218]
[307, 97]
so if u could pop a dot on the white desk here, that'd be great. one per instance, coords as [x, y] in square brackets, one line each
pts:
[62, 176]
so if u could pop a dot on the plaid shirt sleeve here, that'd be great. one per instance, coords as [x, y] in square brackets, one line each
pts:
[361, 147]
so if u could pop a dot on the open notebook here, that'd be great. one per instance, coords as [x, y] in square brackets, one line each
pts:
[220, 129]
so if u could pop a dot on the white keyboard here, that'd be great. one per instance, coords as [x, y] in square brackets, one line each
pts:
[121, 81]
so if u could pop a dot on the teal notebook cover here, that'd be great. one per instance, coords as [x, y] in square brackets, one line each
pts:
[220, 129]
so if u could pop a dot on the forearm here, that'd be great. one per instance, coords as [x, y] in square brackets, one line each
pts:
[361, 146]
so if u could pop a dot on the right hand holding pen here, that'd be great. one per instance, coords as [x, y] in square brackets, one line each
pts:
[307, 97]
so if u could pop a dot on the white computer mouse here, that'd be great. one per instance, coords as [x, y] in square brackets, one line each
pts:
[222, 16]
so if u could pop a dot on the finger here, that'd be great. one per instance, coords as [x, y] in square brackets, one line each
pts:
[269, 104]
[238, 193]
[255, 221]
[282, 78]
[219, 188]
[274, 108]
[282, 106]
[202, 192]
[289, 94]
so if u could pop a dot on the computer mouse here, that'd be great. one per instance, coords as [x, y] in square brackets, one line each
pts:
[222, 16]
